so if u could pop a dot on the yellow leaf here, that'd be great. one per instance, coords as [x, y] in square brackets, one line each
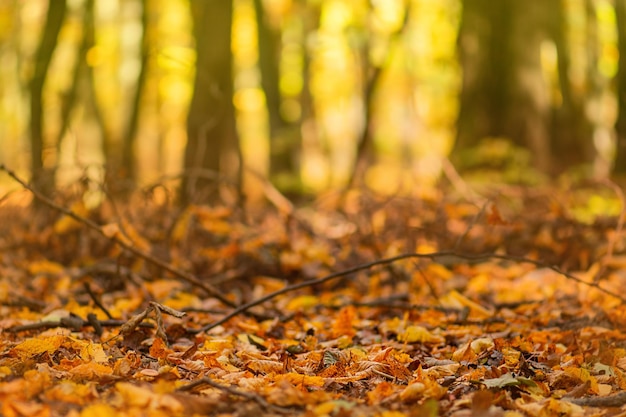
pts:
[604, 389]
[94, 352]
[413, 392]
[583, 375]
[67, 224]
[413, 334]
[437, 270]
[303, 302]
[33, 347]
[214, 220]
[392, 414]
[302, 380]
[71, 392]
[137, 240]
[99, 410]
[180, 228]
[126, 234]
[335, 407]
[482, 344]
[19, 408]
[456, 300]
[133, 395]
[290, 261]
[45, 267]
[216, 345]
[5, 371]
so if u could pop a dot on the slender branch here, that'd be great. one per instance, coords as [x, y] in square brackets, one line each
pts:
[613, 400]
[96, 300]
[232, 391]
[471, 224]
[433, 256]
[74, 323]
[182, 275]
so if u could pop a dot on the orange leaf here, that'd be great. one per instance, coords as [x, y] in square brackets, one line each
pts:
[33, 347]
[494, 218]
[158, 349]
[304, 380]
[90, 370]
[343, 324]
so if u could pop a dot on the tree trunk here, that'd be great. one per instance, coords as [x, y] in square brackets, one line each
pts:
[211, 132]
[365, 154]
[108, 145]
[572, 131]
[620, 78]
[129, 139]
[68, 102]
[503, 91]
[484, 55]
[43, 57]
[282, 161]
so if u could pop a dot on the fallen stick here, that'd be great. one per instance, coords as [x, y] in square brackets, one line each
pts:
[432, 256]
[182, 275]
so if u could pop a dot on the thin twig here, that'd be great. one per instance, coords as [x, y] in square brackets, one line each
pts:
[272, 194]
[96, 300]
[75, 322]
[613, 401]
[471, 225]
[429, 284]
[182, 275]
[432, 256]
[232, 391]
[457, 182]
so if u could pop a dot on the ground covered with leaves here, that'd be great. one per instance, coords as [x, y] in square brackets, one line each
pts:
[353, 305]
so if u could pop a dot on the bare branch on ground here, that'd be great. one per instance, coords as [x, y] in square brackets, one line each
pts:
[182, 275]
[433, 256]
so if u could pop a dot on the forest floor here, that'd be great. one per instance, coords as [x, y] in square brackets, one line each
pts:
[363, 305]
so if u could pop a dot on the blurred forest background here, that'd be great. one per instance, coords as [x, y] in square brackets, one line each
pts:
[312, 94]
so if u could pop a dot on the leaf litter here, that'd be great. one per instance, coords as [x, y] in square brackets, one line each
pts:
[362, 305]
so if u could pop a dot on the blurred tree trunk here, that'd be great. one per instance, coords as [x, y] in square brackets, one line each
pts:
[283, 149]
[572, 130]
[484, 55]
[365, 152]
[211, 135]
[503, 91]
[68, 101]
[620, 78]
[308, 129]
[108, 145]
[49, 39]
[128, 169]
